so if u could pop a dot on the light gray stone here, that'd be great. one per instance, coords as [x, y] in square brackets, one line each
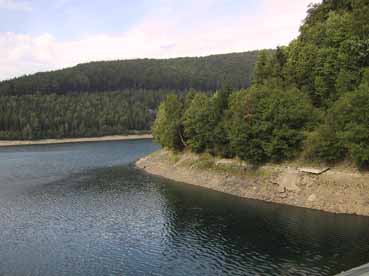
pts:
[312, 198]
[289, 179]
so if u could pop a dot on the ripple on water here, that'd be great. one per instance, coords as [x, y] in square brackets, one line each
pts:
[96, 215]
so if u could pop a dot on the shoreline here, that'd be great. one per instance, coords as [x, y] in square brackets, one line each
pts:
[11, 143]
[338, 190]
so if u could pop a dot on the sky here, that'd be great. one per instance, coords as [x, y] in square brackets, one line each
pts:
[42, 35]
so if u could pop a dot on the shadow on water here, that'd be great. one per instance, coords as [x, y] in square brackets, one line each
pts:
[266, 238]
[116, 220]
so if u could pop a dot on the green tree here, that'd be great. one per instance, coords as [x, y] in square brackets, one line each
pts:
[167, 128]
[204, 125]
[267, 124]
[262, 70]
[199, 123]
[346, 130]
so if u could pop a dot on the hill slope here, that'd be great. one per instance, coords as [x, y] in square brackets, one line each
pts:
[200, 73]
[109, 97]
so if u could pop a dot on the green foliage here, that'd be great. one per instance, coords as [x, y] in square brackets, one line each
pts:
[323, 145]
[349, 117]
[346, 130]
[81, 102]
[323, 71]
[200, 73]
[263, 68]
[269, 67]
[58, 116]
[203, 125]
[326, 60]
[198, 123]
[267, 124]
[167, 128]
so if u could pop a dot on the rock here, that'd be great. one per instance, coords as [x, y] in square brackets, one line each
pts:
[312, 198]
[283, 195]
[226, 162]
[281, 189]
[289, 179]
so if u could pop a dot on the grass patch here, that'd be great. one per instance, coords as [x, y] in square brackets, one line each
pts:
[174, 157]
[205, 162]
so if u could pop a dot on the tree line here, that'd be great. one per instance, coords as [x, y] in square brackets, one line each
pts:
[112, 97]
[308, 100]
[78, 115]
[201, 73]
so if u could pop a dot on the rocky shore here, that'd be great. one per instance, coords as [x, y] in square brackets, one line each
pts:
[337, 190]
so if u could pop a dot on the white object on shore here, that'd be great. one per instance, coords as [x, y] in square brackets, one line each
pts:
[359, 271]
[313, 171]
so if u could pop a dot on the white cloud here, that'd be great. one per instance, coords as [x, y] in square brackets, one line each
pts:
[158, 37]
[15, 5]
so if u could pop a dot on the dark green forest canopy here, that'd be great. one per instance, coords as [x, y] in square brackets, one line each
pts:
[201, 73]
[78, 115]
[78, 101]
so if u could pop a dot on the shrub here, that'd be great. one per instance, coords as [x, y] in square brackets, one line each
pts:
[323, 145]
[349, 117]
[345, 132]
[203, 123]
[267, 124]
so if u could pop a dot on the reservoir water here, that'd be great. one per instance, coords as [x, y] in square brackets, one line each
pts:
[83, 209]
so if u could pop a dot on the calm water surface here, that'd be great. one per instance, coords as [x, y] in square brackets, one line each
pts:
[83, 209]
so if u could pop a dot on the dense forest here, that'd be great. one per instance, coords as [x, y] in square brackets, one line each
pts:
[112, 97]
[200, 73]
[308, 100]
[96, 114]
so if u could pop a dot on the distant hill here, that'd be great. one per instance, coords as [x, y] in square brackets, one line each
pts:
[200, 73]
[110, 97]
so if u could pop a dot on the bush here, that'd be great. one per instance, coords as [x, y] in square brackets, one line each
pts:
[346, 130]
[350, 118]
[323, 145]
[267, 124]
[203, 123]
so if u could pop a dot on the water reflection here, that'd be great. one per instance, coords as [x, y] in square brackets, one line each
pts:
[104, 217]
[266, 239]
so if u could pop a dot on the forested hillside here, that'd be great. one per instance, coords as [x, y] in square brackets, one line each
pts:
[80, 115]
[112, 97]
[200, 73]
[309, 100]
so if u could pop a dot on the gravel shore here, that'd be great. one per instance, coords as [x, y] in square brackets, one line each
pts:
[336, 190]
[5, 143]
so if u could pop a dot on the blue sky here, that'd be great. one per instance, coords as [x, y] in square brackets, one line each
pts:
[70, 19]
[42, 35]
